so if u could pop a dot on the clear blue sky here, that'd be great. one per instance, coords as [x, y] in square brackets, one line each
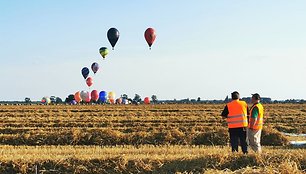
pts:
[203, 48]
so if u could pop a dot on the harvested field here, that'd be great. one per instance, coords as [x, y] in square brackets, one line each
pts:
[141, 139]
[147, 159]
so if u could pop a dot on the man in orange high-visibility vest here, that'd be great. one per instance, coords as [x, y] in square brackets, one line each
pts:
[255, 123]
[236, 113]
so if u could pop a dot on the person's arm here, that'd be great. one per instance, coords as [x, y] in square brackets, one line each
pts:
[225, 112]
[248, 110]
[248, 113]
[254, 117]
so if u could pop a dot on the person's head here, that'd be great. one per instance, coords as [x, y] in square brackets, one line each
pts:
[235, 95]
[255, 98]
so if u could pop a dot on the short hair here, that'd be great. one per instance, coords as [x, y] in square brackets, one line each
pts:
[256, 96]
[235, 95]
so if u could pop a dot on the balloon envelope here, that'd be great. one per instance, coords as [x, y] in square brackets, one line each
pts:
[94, 95]
[77, 97]
[112, 101]
[111, 95]
[73, 102]
[150, 36]
[89, 81]
[103, 96]
[85, 96]
[125, 101]
[45, 100]
[103, 51]
[113, 36]
[147, 100]
[95, 67]
[119, 100]
[85, 72]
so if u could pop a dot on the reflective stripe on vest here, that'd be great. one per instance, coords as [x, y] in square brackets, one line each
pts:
[237, 116]
[259, 121]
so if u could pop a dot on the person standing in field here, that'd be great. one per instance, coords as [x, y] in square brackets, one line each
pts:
[236, 113]
[255, 123]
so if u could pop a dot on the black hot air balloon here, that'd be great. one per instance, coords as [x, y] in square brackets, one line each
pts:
[113, 36]
[85, 72]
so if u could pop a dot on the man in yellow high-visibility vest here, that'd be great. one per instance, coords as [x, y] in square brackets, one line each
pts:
[236, 113]
[255, 123]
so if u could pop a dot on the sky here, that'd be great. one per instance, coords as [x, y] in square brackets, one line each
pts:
[203, 48]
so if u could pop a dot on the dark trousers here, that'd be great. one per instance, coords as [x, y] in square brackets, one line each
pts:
[236, 135]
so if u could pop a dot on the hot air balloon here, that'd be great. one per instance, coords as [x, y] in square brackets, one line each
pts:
[113, 36]
[85, 96]
[111, 101]
[103, 96]
[73, 102]
[94, 95]
[146, 100]
[103, 51]
[85, 72]
[119, 101]
[77, 97]
[89, 81]
[45, 100]
[95, 67]
[125, 101]
[111, 95]
[150, 36]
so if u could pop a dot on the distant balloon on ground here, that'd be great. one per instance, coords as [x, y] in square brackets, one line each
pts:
[112, 101]
[103, 96]
[95, 67]
[146, 100]
[103, 51]
[125, 101]
[119, 101]
[73, 102]
[89, 81]
[113, 36]
[85, 72]
[77, 97]
[45, 100]
[150, 36]
[94, 95]
[85, 96]
[111, 95]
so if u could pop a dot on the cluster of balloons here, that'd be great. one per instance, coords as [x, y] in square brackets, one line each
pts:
[113, 35]
[85, 73]
[94, 96]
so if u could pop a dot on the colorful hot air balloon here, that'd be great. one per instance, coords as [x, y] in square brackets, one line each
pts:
[94, 95]
[85, 96]
[45, 100]
[77, 97]
[73, 102]
[113, 36]
[111, 95]
[146, 100]
[103, 51]
[85, 72]
[119, 101]
[111, 101]
[150, 36]
[95, 67]
[125, 101]
[89, 81]
[103, 96]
